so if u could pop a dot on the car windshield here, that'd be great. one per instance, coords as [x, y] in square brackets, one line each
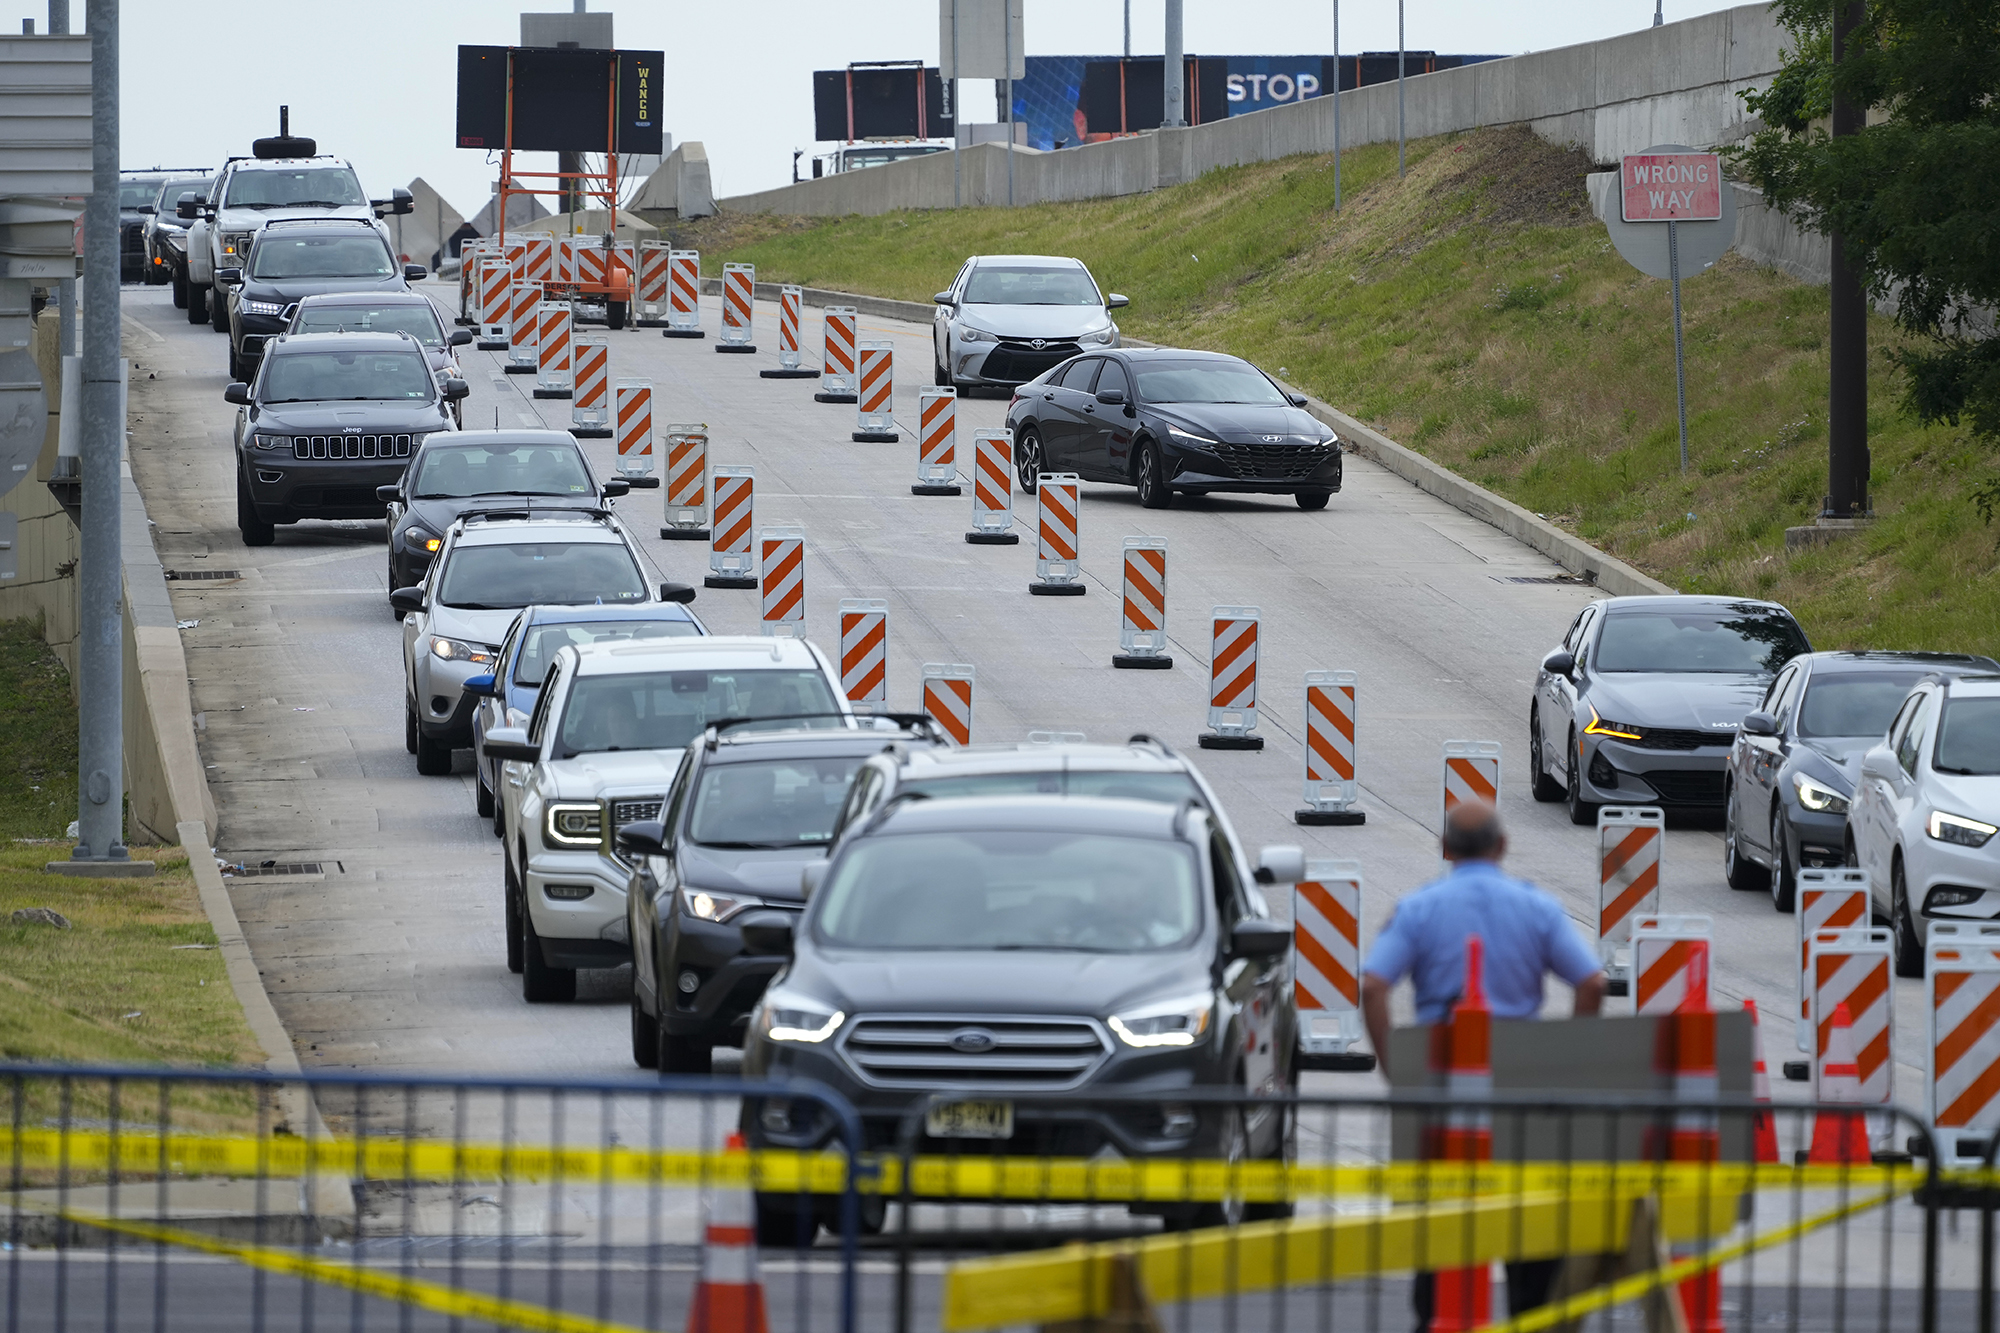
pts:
[1728, 639]
[169, 196]
[1205, 382]
[993, 284]
[1969, 739]
[664, 710]
[1172, 788]
[1860, 704]
[137, 194]
[329, 187]
[453, 471]
[543, 642]
[359, 256]
[490, 578]
[419, 321]
[314, 377]
[770, 802]
[1030, 889]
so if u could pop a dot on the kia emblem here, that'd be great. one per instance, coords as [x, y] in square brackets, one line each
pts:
[972, 1041]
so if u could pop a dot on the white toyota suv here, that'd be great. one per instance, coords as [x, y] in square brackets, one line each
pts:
[600, 751]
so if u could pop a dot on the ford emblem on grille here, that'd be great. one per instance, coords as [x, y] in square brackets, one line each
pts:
[1038, 343]
[972, 1041]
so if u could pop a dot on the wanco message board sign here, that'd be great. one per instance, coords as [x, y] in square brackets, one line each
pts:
[1672, 187]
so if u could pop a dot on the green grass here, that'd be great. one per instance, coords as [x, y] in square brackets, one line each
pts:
[38, 743]
[1475, 311]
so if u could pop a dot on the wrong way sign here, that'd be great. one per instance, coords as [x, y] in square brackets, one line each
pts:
[1671, 187]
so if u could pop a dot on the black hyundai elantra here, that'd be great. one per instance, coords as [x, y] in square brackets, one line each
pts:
[1166, 420]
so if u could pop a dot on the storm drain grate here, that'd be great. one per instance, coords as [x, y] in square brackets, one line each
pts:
[202, 575]
[1566, 579]
[270, 868]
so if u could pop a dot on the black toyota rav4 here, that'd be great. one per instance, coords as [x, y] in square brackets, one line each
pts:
[331, 417]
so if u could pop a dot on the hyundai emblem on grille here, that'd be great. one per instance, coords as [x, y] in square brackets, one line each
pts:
[1272, 439]
[972, 1041]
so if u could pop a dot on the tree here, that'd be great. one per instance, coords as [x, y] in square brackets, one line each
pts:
[1916, 194]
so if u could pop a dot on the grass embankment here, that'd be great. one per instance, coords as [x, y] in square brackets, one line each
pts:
[1476, 311]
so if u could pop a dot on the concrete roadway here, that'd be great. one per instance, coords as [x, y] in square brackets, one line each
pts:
[394, 959]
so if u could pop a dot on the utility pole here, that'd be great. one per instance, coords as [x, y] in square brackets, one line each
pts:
[1128, 29]
[100, 631]
[1847, 398]
[1336, 106]
[1399, 89]
[1007, 68]
[1659, 12]
[1172, 75]
[957, 114]
[66, 287]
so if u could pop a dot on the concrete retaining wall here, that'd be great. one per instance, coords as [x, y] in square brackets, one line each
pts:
[1678, 83]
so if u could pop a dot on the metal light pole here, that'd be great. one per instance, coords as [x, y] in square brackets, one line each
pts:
[100, 649]
[1680, 363]
[1172, 75]
[957, 194]
[1847, 398]
[1659, 12]
[1128, 29]
[1336, 106]
[1399, 89]
[1007, 68]
[65, 288]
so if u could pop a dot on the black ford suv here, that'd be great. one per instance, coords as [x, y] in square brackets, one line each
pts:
[332, 416]
[291, 260]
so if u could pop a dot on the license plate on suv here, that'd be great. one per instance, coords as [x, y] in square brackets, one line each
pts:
[970, 1120]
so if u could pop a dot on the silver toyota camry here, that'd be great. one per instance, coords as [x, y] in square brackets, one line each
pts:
[1007, 318]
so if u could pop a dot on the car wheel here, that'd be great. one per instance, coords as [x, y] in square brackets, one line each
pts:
[1028, 458]
[433, 758]
[409, 725]
[235, 365]
[686, 1055]
[1784, 884]
[614, 315]
[499, 815]
[255, 531]
[1150, 475]
[786, 1221]
[540, 983]
[645, 1036]
[940, 374]
[1233, 1148]
[1740, 872]
[1580, 810]
[1903, 921]
[180, 291]
[482, 800]
[510, 892]
[1311, 500]
[218, 311]
[197, 304]
[1543, 787]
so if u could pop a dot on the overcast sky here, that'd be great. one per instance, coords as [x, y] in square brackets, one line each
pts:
[373, 80]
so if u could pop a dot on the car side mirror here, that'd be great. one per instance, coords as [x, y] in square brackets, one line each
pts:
[147, 208]
[615, 487]
[187, 207]
[1116, 302]
[238, 394]
[1760, 724]
[511, 745]
[1281, 865]
[677, 592]
[391, 494]
[461, 337]
[415, 273]
[641, 483]
[767, 934]
[648, 837]
[1111, 397]
[942, 298]
[1879, 763]
[1297, 399]
[811, 876]
[1256, 937]
[455, 390]
[483, 686]
[1559, 663]
[229, 277]
[407, 599]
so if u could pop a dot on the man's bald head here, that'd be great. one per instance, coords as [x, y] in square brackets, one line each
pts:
[1473, 832]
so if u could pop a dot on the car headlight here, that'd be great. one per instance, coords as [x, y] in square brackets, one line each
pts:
[272, 441]
[1816, 796]
[1957, 828]
[175, 239]
[419, 538]
[1624, 731]
[715, 906]
[789, 1016]
[1177, 1022]
[458, 650]
[968, 334]
[1098, 337]
[1189, 437]
[567, 825]
[262, 307]
[237, 244]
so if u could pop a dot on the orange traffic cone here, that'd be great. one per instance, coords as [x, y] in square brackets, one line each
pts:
[1763, 1129]
[1461, 1050]
[1840, 1138]
[730, 1296]
[1688, 1042]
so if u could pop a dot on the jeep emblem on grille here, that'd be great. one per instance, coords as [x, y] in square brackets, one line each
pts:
[972, 1041]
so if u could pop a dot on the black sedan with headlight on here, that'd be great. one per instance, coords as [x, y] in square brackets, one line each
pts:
[1165, 420]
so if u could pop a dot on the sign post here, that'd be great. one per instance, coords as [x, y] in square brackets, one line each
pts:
[1672, 186]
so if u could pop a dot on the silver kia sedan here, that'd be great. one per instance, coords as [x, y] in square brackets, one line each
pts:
[1007, 318]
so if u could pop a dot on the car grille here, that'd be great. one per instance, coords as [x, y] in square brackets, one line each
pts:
[1687, 786]
[1671, 738]
[1018, 361]
[1273, 462]
[312, 447]
[632, 810]
[132, 237]
[916, 1051]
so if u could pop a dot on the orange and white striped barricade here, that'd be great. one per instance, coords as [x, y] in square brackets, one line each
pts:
[687, 482]
[731, 561]
[1332, 718]
[1663, 950]
[837, 380]
[495, 304]
[789, 299]
[1629, 841]
[623, 287]
[1326, 965]
[937, 434]
[781, 556]
[864, 652]
[539, 264]
[875, 401]
[516, 254]
[524, 299]
[1470, 772]
[633, 400]
[1824, 900]
[1232, 680]
[590, 408]
[947, 698]
[992, 490]
[683, 295]
[1962, 1038]
[554, 377]
[1057, 571]
[1856, 969]
[566, 262]
[739, 282]
[1142, 625]
[653, 264]
[587, 256]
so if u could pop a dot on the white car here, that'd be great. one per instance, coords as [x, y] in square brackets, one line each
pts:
[1007, 318]
[608, 733]
[1927, 808]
